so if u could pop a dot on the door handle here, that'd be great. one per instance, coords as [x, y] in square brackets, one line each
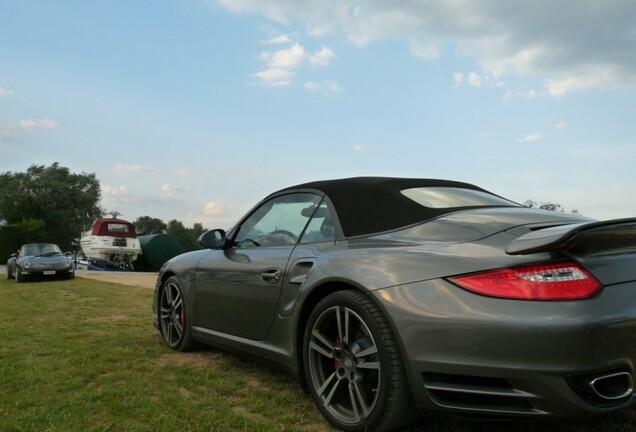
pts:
[271, 275]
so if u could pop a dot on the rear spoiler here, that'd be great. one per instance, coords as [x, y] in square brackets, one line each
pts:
[617, 235]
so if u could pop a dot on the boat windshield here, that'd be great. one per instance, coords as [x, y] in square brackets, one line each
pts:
[113, 228]
[117, 228]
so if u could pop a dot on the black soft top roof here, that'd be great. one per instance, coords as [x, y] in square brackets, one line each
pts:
[366, 205]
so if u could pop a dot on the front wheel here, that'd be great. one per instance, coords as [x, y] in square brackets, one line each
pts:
[174, 316]
[353, 366]
[19, 278]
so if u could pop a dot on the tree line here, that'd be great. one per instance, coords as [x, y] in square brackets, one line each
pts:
[548, 206]
[53, 205]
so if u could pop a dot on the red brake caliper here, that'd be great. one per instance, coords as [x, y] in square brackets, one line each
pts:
[336, 363]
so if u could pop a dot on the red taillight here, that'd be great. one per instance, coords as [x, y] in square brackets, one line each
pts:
[556, 281]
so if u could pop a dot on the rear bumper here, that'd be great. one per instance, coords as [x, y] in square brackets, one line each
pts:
[471, 354]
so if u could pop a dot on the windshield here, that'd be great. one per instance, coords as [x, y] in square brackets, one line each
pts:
[40, 249]
[450, 197]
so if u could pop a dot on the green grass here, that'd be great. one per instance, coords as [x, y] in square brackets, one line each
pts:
[83, 355]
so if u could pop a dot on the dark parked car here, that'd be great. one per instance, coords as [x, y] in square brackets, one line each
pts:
[389, 296]
[39, 260]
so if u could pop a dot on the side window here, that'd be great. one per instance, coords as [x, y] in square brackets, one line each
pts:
[321, 228]
[278, 222]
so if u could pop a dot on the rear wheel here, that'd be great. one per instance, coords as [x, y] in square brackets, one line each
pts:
[353, 366]
[174, 316]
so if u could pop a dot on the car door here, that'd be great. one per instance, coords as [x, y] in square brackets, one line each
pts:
[238, 288]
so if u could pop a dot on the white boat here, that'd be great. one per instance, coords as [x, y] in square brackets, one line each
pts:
[112, 241]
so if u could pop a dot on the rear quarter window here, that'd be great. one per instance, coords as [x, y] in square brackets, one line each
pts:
[450, 197]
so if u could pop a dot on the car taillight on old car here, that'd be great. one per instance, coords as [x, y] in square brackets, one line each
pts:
[553, 281]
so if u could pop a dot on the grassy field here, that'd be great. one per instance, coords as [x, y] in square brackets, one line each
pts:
[82, 355]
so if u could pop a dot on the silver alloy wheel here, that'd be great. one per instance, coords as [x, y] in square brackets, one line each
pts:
[343, 365]
[171, 314]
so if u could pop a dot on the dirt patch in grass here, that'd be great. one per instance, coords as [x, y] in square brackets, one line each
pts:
[140, 279]
[200, 359]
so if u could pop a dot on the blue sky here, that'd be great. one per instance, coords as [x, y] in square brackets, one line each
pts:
[196, 109]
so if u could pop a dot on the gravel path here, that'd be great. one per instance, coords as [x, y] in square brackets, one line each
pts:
[142, 279]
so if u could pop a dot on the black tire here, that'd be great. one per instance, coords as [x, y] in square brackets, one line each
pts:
[353, 366]
[174, 316]
[19, 278]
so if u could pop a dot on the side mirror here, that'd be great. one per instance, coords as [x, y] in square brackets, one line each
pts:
[213, 239]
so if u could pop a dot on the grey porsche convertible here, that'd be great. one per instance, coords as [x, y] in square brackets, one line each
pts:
[39, 260]
[391, 297]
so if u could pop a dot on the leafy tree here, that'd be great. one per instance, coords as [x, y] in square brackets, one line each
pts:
[180, 233]
[547, 206]
[14, 235]
[149, 225]
[187, 237]
[64, 202]
[195, 232]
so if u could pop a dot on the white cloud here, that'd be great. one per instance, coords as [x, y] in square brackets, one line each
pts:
[592, 45]
[213, 208]
[169, 189]
[213, 215]
[474, 79]
[285, 58]
[508, 94]
[523, 94]
[8, 131]
[531, 94]
[4, 92]
[560, 125]
[485, 136]
[326, 87]
[41, 123]
[581, 81]
[114, 197]
[458, 78]
[108, 190]
[277, 40]
[275, 77]
[359, 148]
[321, 57]
[426, 51]
[531, 138]
[222, 219]
[282, 64]
[121, 168]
